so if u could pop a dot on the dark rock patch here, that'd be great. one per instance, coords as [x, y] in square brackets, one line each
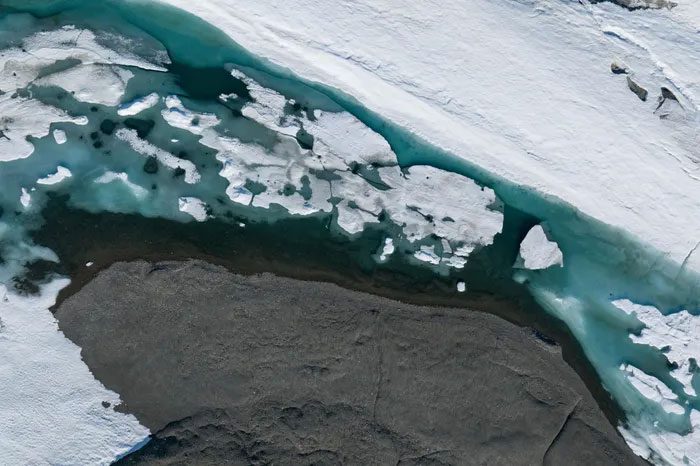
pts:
[637, 89]
[108, 126]
[617, 68]
[227, 369]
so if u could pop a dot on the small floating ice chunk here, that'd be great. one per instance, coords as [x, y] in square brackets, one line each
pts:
[678, 332]
[652, 388]
[427, 254]
[61, 174]
[538, 252]
[89, 264]
[178, 116]
[387, 250]
[99, 84]
[461, 287]
[193, 206]
[138, 105]
[25, 199]
[59, 136]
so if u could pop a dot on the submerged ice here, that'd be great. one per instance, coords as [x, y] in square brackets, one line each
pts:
[109, 121]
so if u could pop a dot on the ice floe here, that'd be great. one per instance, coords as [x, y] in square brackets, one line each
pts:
[138, 105]
[99, 84]
[538, 252]
[147, 149]
[533, 101]
[677, 333]
[61, 174]
[194, 207]
[51, 407]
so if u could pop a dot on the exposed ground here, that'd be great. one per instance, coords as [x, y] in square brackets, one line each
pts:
[230, 369]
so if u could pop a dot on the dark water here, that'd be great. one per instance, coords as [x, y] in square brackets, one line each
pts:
[309, 250]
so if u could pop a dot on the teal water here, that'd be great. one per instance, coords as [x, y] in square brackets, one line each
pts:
[601, 263]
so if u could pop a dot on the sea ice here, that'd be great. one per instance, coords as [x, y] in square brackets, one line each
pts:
[538, 252]
[61, 174]
[194, 207]
[138, 105]
[62, 419]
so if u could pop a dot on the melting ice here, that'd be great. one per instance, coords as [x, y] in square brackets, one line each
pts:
[112, 122]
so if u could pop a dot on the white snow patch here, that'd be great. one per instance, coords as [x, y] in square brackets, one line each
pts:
[538, 252]
[61, 174]
[25, 198]
[138, 105]
[59, 136]
[50, 404]
[131, 137]
[19, 118]
[99, 84]
[532, 100]
[679, 333]
[387, 249]
[653, 389]
[662, 447]
[176, 115]
[194, 207]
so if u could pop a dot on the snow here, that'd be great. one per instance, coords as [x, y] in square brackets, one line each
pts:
[423, 200]
[99, 84]
[94, 80]
[138, 105]
[147, 149]
[653, 389]
[532, 100]
[25, 198]
[178, 116]
[194, 207]
[21, 118]
[666, 447]
[538, 252]
[387, 249]
[59, 136]
[61, 174]
[427, 254]
[61, 420]
[677, 333]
